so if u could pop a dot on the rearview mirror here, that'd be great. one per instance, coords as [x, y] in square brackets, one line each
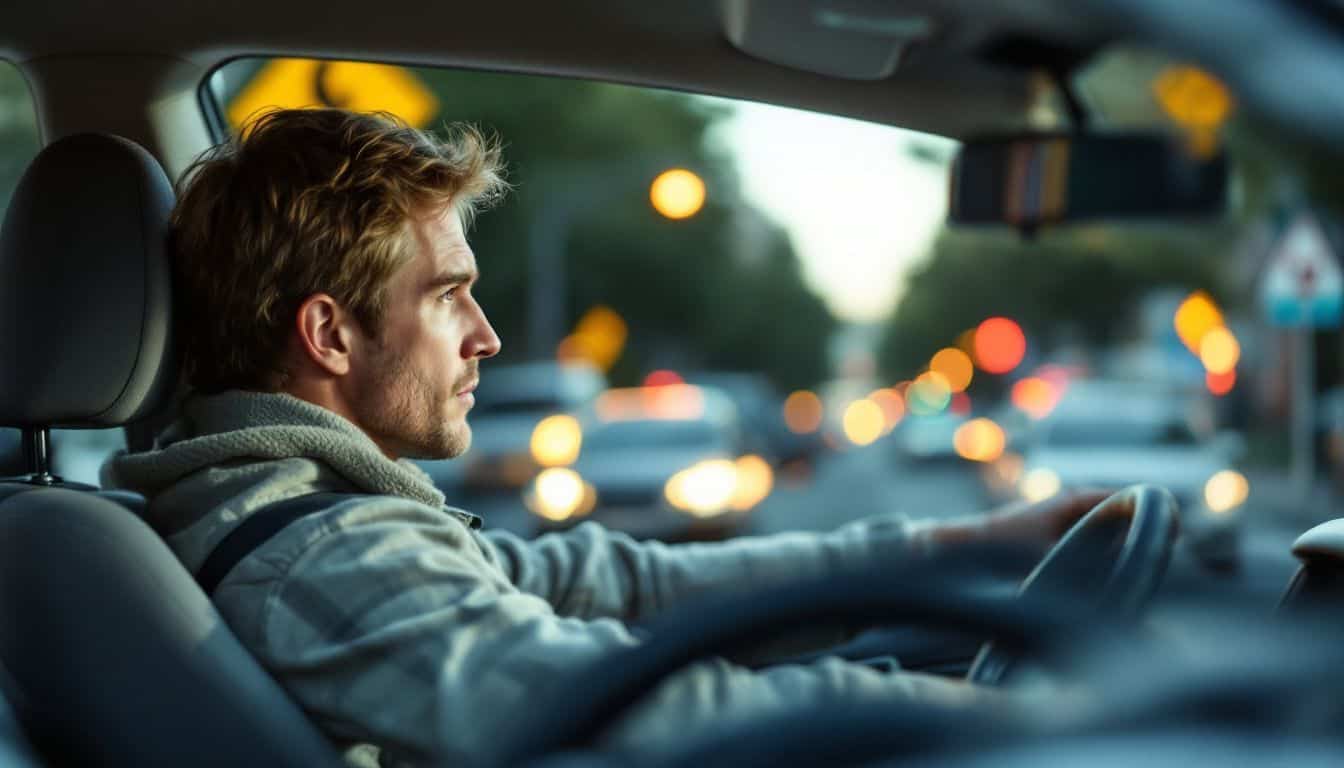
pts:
[1035, 179]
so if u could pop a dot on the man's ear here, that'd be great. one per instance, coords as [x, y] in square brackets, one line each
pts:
[324, 334]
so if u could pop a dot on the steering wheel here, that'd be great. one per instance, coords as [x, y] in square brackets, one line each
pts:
[1134, 528]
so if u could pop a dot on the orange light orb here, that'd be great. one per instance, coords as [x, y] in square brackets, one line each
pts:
[1000, 345]
[1035, 397]
[803, 412]
[955, 366]
[1220, 383]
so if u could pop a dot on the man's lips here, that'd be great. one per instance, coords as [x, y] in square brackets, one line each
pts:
[469, 388]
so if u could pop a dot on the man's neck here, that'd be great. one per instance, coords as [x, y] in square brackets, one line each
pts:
[324, 393]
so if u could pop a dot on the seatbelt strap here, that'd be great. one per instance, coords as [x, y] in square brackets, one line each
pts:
[266, 522]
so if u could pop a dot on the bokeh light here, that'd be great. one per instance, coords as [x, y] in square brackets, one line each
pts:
[556, 440]
[1000, 345]
[966, 342]
[1220, 383]
[598, 338]
[955, 366]
[1195, 317]
[1226, 490]
[1219, 350]
[961, 404]
[803, 412]
[1035, 397]
[1059, 375]
[705, 489]
[663, 378]
[862, 422]
[1040, 484]
[755, 480]
[979, 440]
[892, 405]
[677, 193]
[559, 494]
[929, 394]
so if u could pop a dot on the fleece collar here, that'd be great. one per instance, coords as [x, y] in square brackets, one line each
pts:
[238, 425]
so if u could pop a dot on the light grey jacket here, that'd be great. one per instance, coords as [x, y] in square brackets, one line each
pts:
[392, 623]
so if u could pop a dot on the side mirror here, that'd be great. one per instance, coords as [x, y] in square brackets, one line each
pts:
[1032, 179]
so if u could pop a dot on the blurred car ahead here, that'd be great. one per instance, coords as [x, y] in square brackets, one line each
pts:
[510, 402]
[761, 411]
[1114, 441]
[928, 438]
[658, 463]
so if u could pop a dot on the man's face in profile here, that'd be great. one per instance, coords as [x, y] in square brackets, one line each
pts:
[413, 384]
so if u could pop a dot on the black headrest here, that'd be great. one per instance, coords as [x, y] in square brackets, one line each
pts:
[84, 287]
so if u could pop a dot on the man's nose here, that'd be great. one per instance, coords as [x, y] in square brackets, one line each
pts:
[482, 341]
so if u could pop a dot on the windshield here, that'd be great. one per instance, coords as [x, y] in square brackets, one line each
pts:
[804, 262]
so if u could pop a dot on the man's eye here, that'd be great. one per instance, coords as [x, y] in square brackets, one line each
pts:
[450, 294]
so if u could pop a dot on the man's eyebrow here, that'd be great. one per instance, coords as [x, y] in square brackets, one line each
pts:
[444, 279]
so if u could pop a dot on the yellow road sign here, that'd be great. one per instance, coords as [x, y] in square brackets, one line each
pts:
[1193, 97]
[1197, 101]
[358, 86]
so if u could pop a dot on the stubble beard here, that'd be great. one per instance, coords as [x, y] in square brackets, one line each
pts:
[402, 408]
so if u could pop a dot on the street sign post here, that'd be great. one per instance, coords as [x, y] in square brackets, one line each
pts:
[1303, 290]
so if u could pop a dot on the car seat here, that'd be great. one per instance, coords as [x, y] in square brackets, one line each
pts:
[115, 656]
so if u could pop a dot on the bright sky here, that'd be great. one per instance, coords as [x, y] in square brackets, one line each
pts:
[859, 208]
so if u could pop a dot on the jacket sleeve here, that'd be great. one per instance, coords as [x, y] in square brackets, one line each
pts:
[391, 626]
[590, 572]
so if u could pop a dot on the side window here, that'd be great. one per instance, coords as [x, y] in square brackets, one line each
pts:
[76, 454]
[18, 145]
[18, 129]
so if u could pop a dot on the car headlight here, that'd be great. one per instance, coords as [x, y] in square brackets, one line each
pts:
[754, 481]
[560, 494]
[1039, 483]
[705, 489]
[1226, 490]
[556, 440]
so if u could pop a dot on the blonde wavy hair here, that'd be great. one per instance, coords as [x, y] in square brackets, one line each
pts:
[303, 202]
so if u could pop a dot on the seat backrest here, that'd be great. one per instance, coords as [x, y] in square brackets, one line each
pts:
[119, 657]
[115, 655]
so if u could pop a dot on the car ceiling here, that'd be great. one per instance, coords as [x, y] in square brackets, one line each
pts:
[947, 83]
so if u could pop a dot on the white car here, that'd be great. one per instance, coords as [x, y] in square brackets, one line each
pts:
[658, 463]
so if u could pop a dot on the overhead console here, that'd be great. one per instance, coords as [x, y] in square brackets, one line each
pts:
[856, 40]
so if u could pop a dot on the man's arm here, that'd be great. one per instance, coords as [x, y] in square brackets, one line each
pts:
[591, 572]
[394, 628]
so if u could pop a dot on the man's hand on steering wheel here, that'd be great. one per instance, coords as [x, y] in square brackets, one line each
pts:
[1034, 524]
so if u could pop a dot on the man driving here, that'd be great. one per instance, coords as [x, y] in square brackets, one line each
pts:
[329, 333]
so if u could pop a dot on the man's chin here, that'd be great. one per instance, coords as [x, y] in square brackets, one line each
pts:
[449, 445]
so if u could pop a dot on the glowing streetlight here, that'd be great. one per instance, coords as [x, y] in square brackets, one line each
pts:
[677, 193]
